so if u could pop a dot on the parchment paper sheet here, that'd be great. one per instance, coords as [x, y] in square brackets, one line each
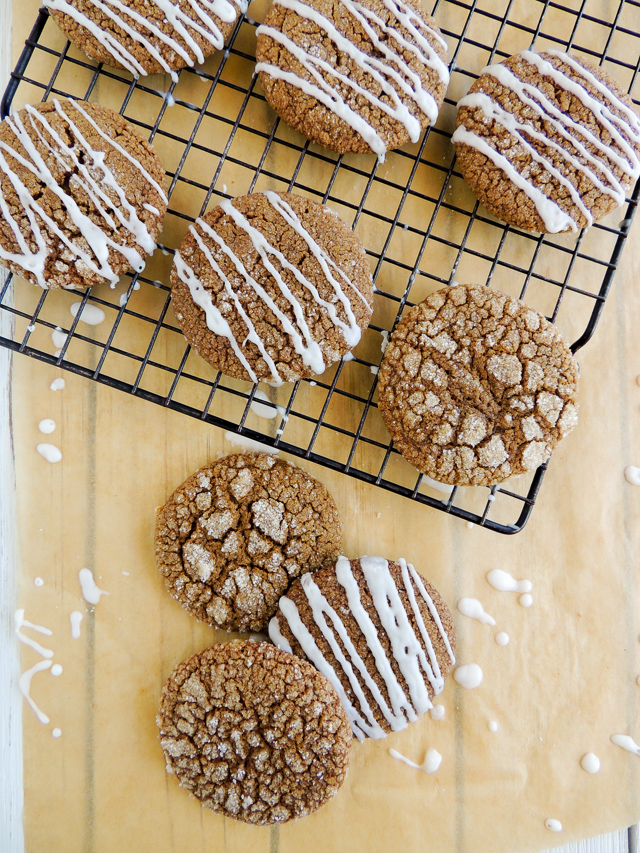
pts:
[563, 685]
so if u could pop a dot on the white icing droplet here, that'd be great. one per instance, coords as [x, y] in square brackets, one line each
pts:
[472, 608]
[126, 574]
[590, 763]
[435, 484]
[525, 600]
[385, 340]
[57, 384]
[47, 426]
[56, 670]
[90, 591]
[553, 825]
[58, 337]
[91, 314]
[249, 444]
[493, 726]
[259, 408]
[437, 712]
[632, 475]
[374, 369]
[56, 732]
[469, 675]
[504, 582]
[75, 617]
[348, 356]
[431, 763]
[20, 622]
[50, 452]
[626, 742]
[38, 582]
[502, 638]
[25, 688]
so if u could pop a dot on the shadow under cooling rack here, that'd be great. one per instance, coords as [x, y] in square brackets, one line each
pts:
[422, 227]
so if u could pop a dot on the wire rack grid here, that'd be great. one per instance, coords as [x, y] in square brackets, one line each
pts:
[422, 227]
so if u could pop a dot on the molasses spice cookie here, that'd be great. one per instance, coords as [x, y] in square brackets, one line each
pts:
[82, 195]
[271, 286]
[475, 386]
[255, 733]
[231, 538]
[380, 633]
[147, 36]
[353, 75]
[548, 142]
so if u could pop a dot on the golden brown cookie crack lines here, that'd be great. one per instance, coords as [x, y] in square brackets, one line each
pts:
[255, 733]
[232, 537]
[475, 386]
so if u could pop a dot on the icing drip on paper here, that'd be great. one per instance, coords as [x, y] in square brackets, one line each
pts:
[472, 608]
[390, 73]
[21, 622]
[590, 763]
[299, 332]
[57, 384]
[49, 452]
[90, 590]
[553, 825]
[75, 617]
[578, 137]
[626, 742]
[407, 649]
[129, 20]
[92, 175]
[437, 712]
[25, 687]
[469, 675]
[504, 582]
[431, 763]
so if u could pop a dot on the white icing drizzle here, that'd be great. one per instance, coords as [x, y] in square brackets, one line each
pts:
[626, 742]
[85, 163]
[21, 622]
[576, 154]
[25, 687]
[389, 75]
[90, 590]
[183, 25]
[262, 406]
[431, 763]
[250, 445]
[407, 648]
[299, 333]
[472, 608]
[505, 582]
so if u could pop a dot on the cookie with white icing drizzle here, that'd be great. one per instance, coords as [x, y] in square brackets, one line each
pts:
[254, 733]
[82, 195]
[271, 286]
[232, 538]
[353, 75]
[548, 142]
[475, 386]
[378, 631]
[147, 36]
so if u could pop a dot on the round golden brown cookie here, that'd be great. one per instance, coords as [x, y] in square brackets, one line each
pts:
[271, 286]
[232, 537]
[83, 195]
[255, 733]
[380, 633]
[475, 386]
[362, 77]
[548, 142]
[147, 36]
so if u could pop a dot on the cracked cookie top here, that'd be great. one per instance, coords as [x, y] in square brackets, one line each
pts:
[254, 733]
[231, 538]
[476, 387]
[83, 195]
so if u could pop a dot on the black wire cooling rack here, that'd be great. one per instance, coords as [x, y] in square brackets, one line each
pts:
[422, 227]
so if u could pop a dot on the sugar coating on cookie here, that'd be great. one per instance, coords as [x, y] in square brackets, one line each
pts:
[147, 36]
[233, 536]
[271, 286]
[547, 141]
[381, 634]
[83, 195]
[475, 386]
[254, 733]
[353, 76]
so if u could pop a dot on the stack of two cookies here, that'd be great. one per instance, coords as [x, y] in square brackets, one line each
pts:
[263, 732]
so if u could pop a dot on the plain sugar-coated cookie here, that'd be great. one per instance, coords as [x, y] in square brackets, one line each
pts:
[547, 141]
[147, 36]
[475, 386]
[353, 76]
[255, 733]
[83, 195]
[381, 634]
[231, 538]
[271, 286]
